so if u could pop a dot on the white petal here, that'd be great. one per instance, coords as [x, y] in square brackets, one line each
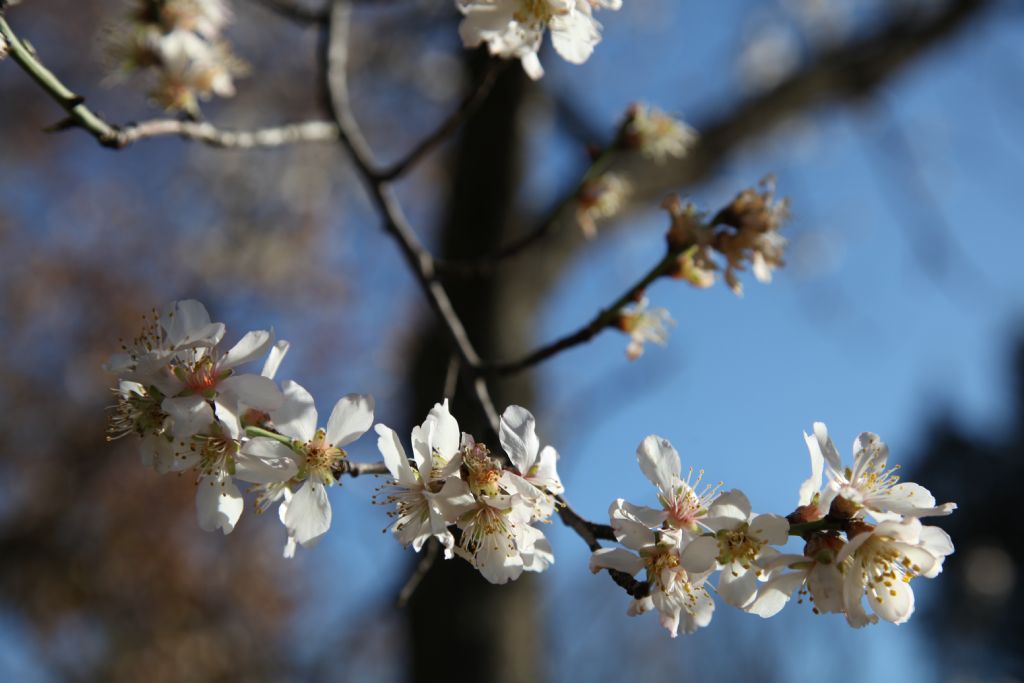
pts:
[869, 454]
[250, 347]
[309, 513]
[893, 603]
[700, 555]
[351, 418]
[813, 484]
[264, 461]
[188, 323]
[574, 36]
[773, 529]
[445, 437]
[773, 595]
[395, 460]
[737, 586]
[659, 462]
[531, 65]
[274, 358]
[853, 591]
[519, 438]
[825, 582]
[615, 558]
[296, 418]
[191, 415]
[729, 510]
[254, 391]
[827, 448]
[218, 504]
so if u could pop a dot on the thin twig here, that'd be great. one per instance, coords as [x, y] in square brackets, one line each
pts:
[466, 109]
[295, 11]
[607, 317]
[487, 263]
[356, 469]
[416, 578]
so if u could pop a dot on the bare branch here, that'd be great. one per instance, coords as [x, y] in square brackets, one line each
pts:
[418, 258]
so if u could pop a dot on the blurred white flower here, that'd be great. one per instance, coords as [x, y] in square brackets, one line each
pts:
[514, 29]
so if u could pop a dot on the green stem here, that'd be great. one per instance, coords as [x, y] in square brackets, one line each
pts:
[266, 433]
[69, 101]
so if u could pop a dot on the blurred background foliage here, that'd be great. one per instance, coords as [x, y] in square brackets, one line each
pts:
[105, 576]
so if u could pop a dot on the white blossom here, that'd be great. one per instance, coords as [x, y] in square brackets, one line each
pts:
[316, 451]
[536, 477]
[869, 486]
[676, 575]
[514, 29]
[740, 542]
[684, 505]
[430, 496]
[816, 574]
[885, 559]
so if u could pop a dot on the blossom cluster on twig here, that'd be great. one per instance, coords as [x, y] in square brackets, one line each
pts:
[184, 396]
[179, 43]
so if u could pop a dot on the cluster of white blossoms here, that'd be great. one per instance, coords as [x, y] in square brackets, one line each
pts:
[182, 394]
[862, 531]
[179, 42]
[193, 410]
[514, 29]
[453, 481]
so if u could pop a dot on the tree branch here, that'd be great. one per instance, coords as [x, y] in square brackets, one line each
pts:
[466, 109]
[118, 136]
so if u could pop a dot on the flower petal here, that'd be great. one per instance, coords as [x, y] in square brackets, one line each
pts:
[659, 462]
[351, 418]
[390, 447]
[729, 510]
[264, 461]
[296, 418]
[309, 513]
[250, 347]
[615, 558]
[218, 504]
[254, 391]
[191, 415]
[518, 436]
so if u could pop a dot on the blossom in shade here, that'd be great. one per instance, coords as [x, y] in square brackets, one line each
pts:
[816, 575]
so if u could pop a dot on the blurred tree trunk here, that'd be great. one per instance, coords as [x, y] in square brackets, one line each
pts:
[491, 630]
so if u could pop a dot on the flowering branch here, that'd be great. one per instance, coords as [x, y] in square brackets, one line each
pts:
[120, 136]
